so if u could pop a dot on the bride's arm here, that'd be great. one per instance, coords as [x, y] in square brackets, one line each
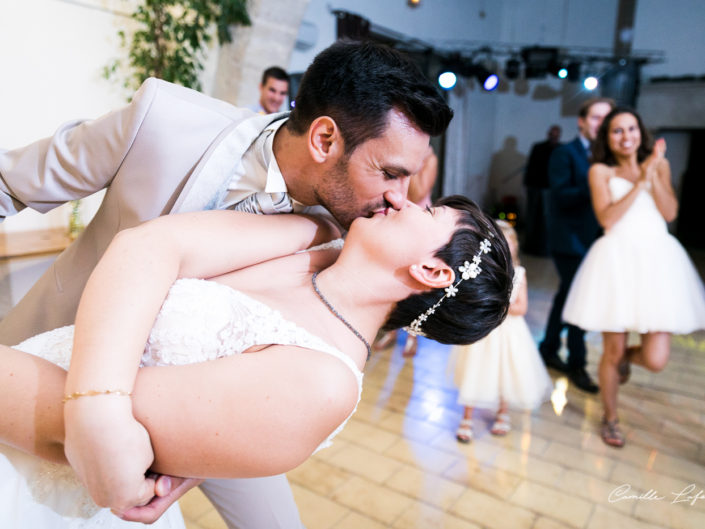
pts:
[246, 415]
[129, 284]
[606, 211]
[116, 313]
[662, 191]
[31, 419]
[31, 413]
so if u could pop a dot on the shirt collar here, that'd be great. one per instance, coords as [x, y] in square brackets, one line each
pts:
[585, 142]
[275, 180]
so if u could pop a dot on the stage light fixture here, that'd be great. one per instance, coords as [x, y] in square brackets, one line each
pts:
[538, 60]
[512, 68]
[563, 73]
[452, 66]
[590, 82]
[554, 68]
[447, 80]
[456, 65]
[573, 70]
[488, 80]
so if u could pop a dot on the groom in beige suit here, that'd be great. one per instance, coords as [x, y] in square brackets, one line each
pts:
[171, 150]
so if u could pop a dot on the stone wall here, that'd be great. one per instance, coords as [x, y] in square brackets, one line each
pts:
[268, 42]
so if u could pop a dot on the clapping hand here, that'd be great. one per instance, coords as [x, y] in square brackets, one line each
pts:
[659, 148]
[650, 165]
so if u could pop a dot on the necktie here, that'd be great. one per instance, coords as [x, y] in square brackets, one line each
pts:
[265, 203]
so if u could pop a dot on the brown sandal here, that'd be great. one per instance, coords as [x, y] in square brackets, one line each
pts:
[611, 433]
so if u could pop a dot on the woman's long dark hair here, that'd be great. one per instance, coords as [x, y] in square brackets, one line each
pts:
[601, 152]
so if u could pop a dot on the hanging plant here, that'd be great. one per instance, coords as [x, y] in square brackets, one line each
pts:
[171, 38]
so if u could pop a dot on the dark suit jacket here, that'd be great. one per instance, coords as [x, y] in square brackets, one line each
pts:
[572, 226]
[536, 174]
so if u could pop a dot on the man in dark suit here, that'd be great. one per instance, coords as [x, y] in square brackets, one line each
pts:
[536, 182]
[572, 227]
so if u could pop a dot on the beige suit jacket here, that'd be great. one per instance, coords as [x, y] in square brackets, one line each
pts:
[152, 156]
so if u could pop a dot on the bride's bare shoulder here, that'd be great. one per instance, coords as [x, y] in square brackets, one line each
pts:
[599, 172]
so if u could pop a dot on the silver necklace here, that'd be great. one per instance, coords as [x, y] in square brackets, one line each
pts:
[337, 315]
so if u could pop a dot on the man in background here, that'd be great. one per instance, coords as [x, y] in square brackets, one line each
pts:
[273, 90]
[572, 228]
[536, 182]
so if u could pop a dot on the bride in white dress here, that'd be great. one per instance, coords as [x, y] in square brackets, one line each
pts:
[636, 277]
[228, 415]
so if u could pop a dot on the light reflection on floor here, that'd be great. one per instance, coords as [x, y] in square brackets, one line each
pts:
[397, 463]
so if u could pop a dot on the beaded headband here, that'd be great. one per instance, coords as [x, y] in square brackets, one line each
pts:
[467, 271]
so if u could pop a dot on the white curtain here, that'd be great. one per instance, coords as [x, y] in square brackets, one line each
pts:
[469, 141]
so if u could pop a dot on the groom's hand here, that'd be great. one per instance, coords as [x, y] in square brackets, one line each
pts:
[168, 490]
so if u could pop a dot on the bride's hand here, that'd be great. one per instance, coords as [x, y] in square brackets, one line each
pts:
[109, 450]
[650, 165]
[659, 148]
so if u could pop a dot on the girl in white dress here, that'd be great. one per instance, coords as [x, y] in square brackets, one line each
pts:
[636, 277]
[229, 415]
[504, 369]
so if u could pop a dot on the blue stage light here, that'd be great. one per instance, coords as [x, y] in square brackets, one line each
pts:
[490, 82]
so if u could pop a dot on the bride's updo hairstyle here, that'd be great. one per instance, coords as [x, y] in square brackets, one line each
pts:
[481, 303]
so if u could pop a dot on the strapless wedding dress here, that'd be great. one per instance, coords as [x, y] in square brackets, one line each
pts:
[636, 277]
[199, 321]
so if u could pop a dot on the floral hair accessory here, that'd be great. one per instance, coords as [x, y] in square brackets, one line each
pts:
[467, 271]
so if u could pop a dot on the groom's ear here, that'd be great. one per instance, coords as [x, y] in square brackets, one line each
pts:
[325, 143]
[434, 273]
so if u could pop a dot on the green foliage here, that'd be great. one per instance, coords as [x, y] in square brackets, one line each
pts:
[171, 36]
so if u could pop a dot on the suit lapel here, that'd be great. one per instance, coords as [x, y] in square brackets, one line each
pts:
[582, 152]
[210, 177]
[582, 157]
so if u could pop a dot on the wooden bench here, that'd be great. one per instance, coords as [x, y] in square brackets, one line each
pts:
[34, 242]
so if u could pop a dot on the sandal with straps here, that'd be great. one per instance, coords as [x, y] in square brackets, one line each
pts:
[502, 424]
[611, 433]
[464, 432]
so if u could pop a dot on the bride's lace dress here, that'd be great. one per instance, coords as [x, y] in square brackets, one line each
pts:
[199, 320]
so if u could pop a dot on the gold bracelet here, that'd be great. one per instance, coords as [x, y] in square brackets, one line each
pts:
[94, 392]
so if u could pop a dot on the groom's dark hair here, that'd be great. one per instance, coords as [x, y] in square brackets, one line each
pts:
[357, 84]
